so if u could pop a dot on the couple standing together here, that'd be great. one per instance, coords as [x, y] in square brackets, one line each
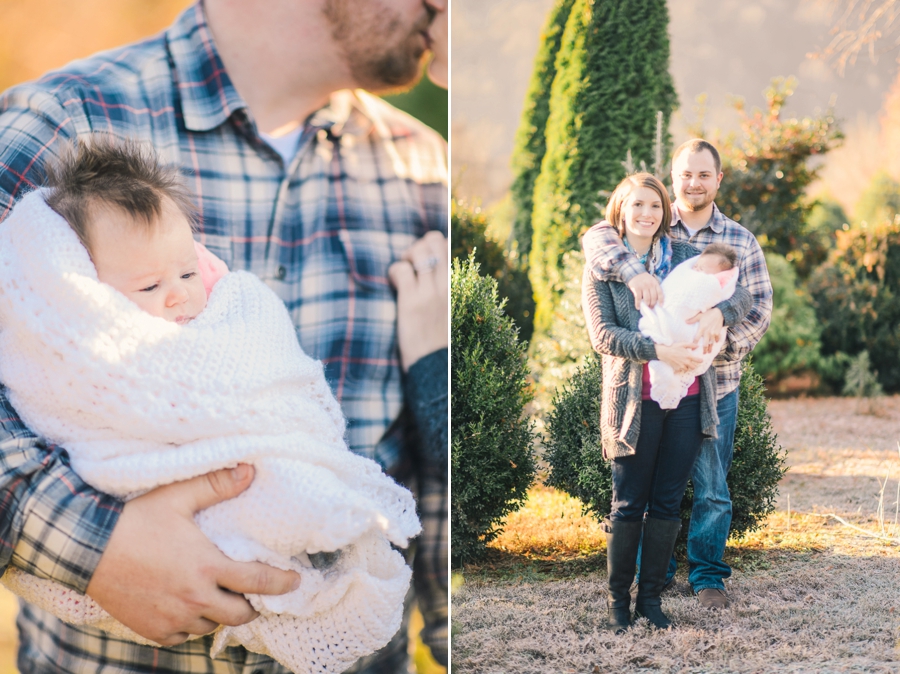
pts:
[655, 449]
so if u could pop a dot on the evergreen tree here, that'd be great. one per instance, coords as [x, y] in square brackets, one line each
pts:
[530, 141]
[491, 457]
[611, 79]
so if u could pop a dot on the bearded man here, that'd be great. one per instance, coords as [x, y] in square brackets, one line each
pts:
[696, 176]
[300, 177]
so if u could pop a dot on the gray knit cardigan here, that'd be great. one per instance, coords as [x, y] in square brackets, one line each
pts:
[612, 321]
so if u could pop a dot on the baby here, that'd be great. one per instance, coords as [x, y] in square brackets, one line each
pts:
[151, 364]
[695, 285]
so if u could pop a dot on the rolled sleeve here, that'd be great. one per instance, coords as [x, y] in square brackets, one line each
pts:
[607, 257]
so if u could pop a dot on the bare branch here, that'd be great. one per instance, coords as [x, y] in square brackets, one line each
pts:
[858, 25]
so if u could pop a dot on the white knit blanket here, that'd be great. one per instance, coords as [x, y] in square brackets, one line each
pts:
[685, 293]
[139, 402]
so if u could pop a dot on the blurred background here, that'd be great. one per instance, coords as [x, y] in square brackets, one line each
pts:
[802, 99]
[40, 35]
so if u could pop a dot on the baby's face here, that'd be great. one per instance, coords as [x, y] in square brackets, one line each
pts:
[156, 268]
[710, 264]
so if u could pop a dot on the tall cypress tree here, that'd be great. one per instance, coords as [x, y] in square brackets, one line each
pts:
[611, 79]
[530, 143]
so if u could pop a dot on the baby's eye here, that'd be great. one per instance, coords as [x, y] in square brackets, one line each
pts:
[189, 275]
[149, 288]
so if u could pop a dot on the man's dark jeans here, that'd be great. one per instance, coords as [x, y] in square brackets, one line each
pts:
[653, 479]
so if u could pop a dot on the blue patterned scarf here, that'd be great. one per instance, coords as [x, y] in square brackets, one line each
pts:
[657, 260]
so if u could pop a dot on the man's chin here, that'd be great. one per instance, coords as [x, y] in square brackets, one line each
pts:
[694, 205]
[392, 75]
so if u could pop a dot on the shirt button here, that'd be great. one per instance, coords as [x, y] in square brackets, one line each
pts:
[280, 273]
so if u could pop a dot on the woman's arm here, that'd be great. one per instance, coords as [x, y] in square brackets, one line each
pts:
[607, 336]
[736, 307]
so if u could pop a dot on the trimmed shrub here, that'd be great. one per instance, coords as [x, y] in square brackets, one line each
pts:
[491, 456]
[856, 295]
[530, 142]
[603, 103]
[468, 236]
[577, 465]
[791, 344]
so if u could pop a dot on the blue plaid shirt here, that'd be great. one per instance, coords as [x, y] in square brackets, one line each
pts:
[321, 231]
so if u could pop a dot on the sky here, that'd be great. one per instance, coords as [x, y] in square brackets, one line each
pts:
[718, 47]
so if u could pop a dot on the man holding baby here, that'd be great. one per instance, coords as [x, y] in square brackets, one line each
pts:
[315, 188]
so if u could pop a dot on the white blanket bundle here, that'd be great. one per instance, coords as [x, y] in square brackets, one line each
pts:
[139, 402]
[685, 292]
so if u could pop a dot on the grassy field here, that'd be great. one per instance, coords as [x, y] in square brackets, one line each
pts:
[809, 594]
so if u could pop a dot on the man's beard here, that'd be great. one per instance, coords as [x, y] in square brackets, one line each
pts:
[375, 65]
[699, 206]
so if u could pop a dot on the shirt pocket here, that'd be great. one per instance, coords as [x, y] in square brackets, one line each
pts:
[371, 356]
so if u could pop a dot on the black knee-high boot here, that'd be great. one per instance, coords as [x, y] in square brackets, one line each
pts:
[622, 539]
[656, 551]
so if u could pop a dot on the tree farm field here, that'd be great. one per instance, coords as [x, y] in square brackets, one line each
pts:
[809, 593]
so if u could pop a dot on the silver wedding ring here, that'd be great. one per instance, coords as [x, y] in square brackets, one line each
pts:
[427, 265]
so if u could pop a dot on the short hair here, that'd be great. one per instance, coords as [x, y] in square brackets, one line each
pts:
[101, 170]
[696, 145]
[723, 250]
[620, 194]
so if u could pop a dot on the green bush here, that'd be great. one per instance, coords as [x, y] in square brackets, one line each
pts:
[880, 202]
[856, 295]
[577, 466]
[791, 344]
[468, 236]
[492, 461]
[612, 77]
[555, 354]
[767, 171]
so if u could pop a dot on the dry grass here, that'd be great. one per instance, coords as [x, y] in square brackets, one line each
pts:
[808, 594]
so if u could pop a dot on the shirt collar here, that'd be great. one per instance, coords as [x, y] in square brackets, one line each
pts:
[716, 221]
[208, 97]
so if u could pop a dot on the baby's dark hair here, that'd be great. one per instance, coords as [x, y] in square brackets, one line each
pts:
[724, 251]
[105, 171]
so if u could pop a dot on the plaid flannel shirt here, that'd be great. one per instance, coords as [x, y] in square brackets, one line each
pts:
[365, 183]
[610, 260]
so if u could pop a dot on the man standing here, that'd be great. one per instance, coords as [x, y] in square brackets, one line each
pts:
[311, 185]
[696, 176]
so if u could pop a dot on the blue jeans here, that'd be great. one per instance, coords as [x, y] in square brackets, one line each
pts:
[654, 478]
[711, 513]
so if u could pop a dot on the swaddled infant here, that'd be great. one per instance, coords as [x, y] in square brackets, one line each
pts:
[695, 285]
[151, 365]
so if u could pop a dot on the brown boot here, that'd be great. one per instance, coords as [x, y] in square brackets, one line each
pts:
[713, 598]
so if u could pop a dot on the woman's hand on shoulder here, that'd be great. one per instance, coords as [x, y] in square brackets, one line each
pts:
[680, 357]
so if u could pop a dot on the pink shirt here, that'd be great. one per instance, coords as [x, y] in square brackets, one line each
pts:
[693, 389]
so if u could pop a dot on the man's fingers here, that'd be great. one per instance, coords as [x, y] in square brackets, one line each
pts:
[230, 609]
[220, 485]
[257, 578]
[695, 318]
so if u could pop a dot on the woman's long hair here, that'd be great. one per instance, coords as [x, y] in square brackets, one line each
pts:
[617, 201]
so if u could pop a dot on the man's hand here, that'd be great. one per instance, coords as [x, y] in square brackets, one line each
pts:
[646, 289]
[710, 327]
[163, 578]
[422, 298]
